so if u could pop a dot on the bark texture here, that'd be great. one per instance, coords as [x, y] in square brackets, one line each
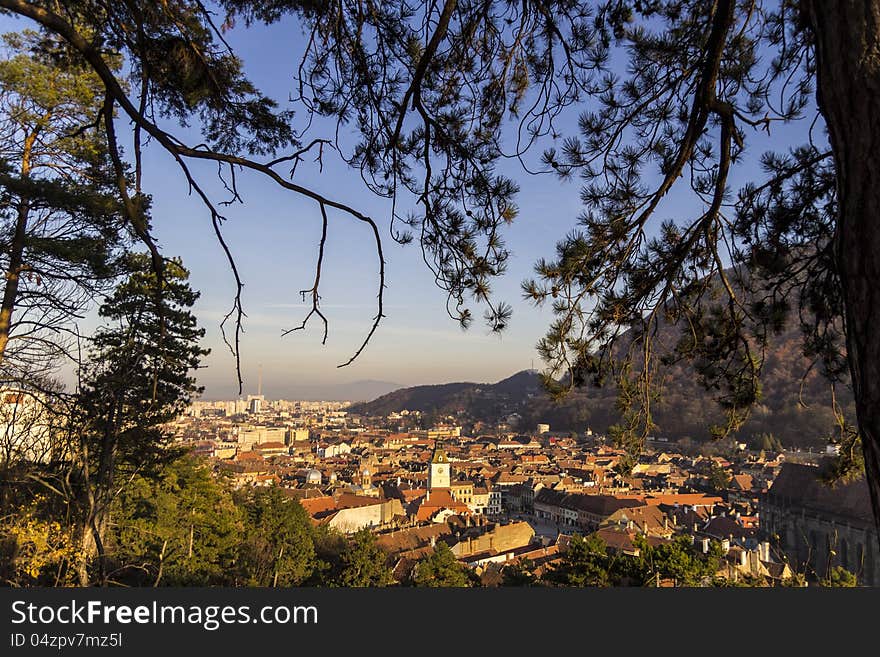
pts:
[16, 252]
[847, 41]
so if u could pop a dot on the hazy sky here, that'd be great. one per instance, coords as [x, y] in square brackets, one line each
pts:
[274, 237]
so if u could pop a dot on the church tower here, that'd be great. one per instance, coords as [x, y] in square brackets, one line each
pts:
[440, 470]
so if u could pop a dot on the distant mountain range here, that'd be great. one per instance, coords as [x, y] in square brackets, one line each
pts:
[356, 391]
[795, 406]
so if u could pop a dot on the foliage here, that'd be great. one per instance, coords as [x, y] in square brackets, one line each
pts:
[766, 442]
[741, 581]
[140, 372]
[519, 574]
[60, 221]
[178, 529]
[440, 569]
[677, 560]
[797, 580]
[585, 562]
[588, 562]
[170, 63]
[839, 576]
[362, 562]
[184, 525]
[695, 90]
[138, 377]
[427, 88]
[719, 479]
[277, 549]
[35, 548]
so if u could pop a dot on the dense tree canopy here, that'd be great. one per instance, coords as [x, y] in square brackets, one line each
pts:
[441, 569]
[178, 529]
[278, 550]
[138, 377]
[589, 562]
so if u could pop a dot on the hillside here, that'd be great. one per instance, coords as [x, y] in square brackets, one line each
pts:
[684, 412]
[479, 400]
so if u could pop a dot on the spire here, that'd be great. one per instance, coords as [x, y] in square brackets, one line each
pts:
[439, 469]
[439, 455]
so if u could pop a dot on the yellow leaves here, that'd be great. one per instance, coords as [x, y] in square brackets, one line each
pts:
[37, 546]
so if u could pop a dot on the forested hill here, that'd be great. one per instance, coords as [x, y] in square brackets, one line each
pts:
[479, 400]
[797, 416]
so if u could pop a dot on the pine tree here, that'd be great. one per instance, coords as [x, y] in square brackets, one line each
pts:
[179, 528]
[362, 562]
[60, 222]
[139, 376]
[441, 569]
[277, 548]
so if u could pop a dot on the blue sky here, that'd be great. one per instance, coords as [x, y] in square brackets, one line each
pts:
[274, 237]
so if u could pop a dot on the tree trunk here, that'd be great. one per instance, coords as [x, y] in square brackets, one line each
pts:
[87, 550]
[16, 252]
[95, 499]
[847, 41]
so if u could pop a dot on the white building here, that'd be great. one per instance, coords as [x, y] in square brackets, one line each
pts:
[328, 451]
[25, 426]
[485, 502]
[440, 471]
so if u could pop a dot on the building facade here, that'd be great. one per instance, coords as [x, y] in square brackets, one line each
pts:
[818, 527]
[440, 470]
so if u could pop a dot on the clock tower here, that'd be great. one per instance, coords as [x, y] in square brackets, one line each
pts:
[440, 470]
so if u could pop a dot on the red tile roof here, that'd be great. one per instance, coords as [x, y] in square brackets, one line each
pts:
[316, 506]
[437, 500]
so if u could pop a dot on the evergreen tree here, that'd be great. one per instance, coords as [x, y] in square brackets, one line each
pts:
[441, 569]
[585, 562]
[719, 479]
[139, 376]
[277, 547]
[60, 222]
[839, 576]
[179, 528]
[675, 560]
[518, 574]
[588, 562]
[362, 562]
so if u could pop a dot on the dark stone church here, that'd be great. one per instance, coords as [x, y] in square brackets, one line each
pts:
[817, 526]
